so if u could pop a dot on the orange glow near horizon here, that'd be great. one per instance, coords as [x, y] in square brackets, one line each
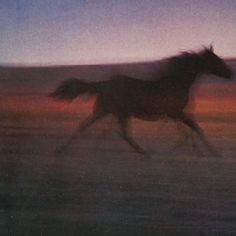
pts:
[37, 104]
[38, 112]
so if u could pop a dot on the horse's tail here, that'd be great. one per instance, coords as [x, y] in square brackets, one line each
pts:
[72, 88]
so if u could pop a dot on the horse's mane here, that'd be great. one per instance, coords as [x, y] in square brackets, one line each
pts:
[186, 60]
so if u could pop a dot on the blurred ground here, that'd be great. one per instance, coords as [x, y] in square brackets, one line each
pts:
[101, 187]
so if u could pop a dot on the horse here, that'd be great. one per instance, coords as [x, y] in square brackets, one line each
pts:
[125, 97]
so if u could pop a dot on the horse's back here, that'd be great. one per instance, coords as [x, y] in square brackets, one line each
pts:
[126, 95]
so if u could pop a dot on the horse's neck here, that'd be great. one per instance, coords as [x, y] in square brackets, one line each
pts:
[188, 79]
[183, 81]
[185, 71]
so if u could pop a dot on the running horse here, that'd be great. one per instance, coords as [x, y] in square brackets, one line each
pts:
[125, 97]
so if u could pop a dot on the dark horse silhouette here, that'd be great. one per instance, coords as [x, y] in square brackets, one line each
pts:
[127, 97]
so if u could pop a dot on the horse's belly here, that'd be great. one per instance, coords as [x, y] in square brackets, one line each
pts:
[141, 103]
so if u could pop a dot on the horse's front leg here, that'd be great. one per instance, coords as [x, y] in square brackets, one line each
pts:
[187, 120]
[125, 134]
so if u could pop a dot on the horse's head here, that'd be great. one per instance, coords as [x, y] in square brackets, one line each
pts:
[213, 64]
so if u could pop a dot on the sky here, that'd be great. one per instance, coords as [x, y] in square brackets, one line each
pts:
[98, 31]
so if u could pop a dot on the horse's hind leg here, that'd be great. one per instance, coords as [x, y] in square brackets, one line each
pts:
[187, 120]
[183, 135]
[97, 114]
[88, 122]
[125, 134]
[186, 137]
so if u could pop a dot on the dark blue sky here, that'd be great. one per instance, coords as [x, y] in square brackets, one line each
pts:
[76, 31]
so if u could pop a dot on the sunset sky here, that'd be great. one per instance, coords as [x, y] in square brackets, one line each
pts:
[80, 31]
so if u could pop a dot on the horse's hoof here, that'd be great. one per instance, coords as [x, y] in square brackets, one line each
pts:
[60, 151]
[216, 154]
[146, 155]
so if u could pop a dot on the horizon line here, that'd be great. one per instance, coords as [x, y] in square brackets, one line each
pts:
[117, 61]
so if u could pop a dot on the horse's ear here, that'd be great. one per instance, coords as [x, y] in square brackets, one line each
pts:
[208, 48]
[211, 48]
